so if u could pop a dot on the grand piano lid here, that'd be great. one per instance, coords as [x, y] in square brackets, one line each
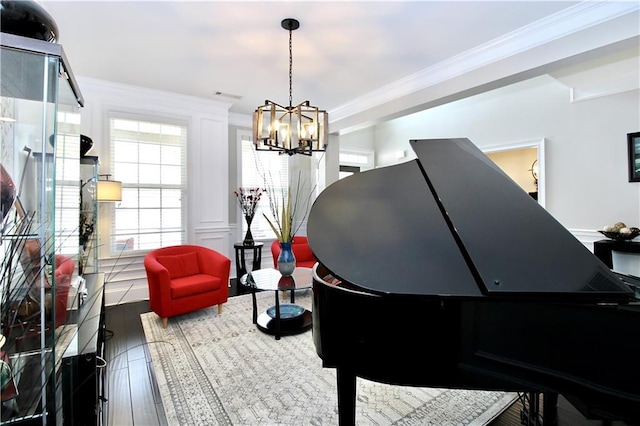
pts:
[451, 223]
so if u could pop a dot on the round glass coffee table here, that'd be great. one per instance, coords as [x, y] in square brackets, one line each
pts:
[280, 319]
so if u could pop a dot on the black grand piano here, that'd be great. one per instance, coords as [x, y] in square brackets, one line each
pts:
[442, 272]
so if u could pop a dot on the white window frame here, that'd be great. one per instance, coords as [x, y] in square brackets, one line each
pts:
[118, 244]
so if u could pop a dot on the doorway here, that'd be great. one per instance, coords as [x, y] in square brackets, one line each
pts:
[524, 163]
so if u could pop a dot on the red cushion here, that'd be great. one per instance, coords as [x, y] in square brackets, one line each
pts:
[193, 284]
[180, 265]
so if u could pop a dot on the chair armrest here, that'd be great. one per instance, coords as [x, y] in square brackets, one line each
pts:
[211, 262]
[159, 282]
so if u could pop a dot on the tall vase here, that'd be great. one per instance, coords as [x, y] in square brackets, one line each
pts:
[286, 259]
[248, 238]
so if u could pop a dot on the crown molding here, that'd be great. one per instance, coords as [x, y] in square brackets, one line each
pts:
[240, 120]
[572, 20]
[147, 96]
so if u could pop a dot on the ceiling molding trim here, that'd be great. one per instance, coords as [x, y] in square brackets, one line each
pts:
[564, 23]
[240, 120]
[145, 95]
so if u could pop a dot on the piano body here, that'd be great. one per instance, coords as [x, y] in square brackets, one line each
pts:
[442, 272]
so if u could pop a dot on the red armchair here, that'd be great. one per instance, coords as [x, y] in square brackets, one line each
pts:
[63, 273]
[64, 267]
[301, 251]
[186, 278]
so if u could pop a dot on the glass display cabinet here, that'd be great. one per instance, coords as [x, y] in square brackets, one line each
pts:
[39, 123]
[88, 260]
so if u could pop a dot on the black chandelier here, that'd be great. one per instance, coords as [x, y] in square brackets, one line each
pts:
[300, 129]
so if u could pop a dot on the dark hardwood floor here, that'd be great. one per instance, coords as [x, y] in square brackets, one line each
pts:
[131, 389]
[132, 393]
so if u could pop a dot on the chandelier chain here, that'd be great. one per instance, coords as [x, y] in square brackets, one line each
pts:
[290, 69]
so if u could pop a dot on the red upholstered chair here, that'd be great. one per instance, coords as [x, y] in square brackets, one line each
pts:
[186, 278]
[63, 273]
[301, 251]
[62, 281]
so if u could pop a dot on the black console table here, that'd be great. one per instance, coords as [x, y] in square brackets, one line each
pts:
[241, 266]
[603, 249]
[83, 363]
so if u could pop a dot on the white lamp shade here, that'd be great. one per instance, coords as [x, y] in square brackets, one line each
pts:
[109, 190]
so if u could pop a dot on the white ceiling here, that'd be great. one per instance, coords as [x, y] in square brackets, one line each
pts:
[347, 55]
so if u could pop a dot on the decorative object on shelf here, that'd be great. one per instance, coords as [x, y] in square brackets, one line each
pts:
[107, 189]
[248, 198]
[7, 192]
[288, 311]
[86, 143]
[633, 146]
[286, 259]
[6, 378]
[620, 232]
[300, 129]
[28, 19]
[87, 227]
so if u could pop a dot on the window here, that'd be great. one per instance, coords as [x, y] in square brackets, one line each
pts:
[149, 158]
[67, 194]
[261, 170]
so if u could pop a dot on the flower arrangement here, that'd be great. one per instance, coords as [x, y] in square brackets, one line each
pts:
[248, 198]
[284, 211]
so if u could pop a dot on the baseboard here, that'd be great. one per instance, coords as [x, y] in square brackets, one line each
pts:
[120, 294]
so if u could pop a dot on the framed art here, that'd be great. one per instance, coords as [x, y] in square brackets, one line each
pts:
[633, 144]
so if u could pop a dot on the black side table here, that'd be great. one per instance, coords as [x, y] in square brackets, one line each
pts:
[241, 266]
[603, 248]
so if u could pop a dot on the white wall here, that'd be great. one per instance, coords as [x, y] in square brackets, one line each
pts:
[586, 152]
[361, 140]
[586, 169]
[207, 171]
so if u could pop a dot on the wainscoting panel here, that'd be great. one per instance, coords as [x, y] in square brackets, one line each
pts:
[216, 239]
[209, 173]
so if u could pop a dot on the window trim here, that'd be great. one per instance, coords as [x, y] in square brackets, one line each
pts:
[108, 250]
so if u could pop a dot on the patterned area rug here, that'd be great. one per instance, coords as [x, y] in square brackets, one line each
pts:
[221, 370]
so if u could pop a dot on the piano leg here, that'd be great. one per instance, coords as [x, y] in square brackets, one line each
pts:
[550, 409]
[530, 413]
[346, 396]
